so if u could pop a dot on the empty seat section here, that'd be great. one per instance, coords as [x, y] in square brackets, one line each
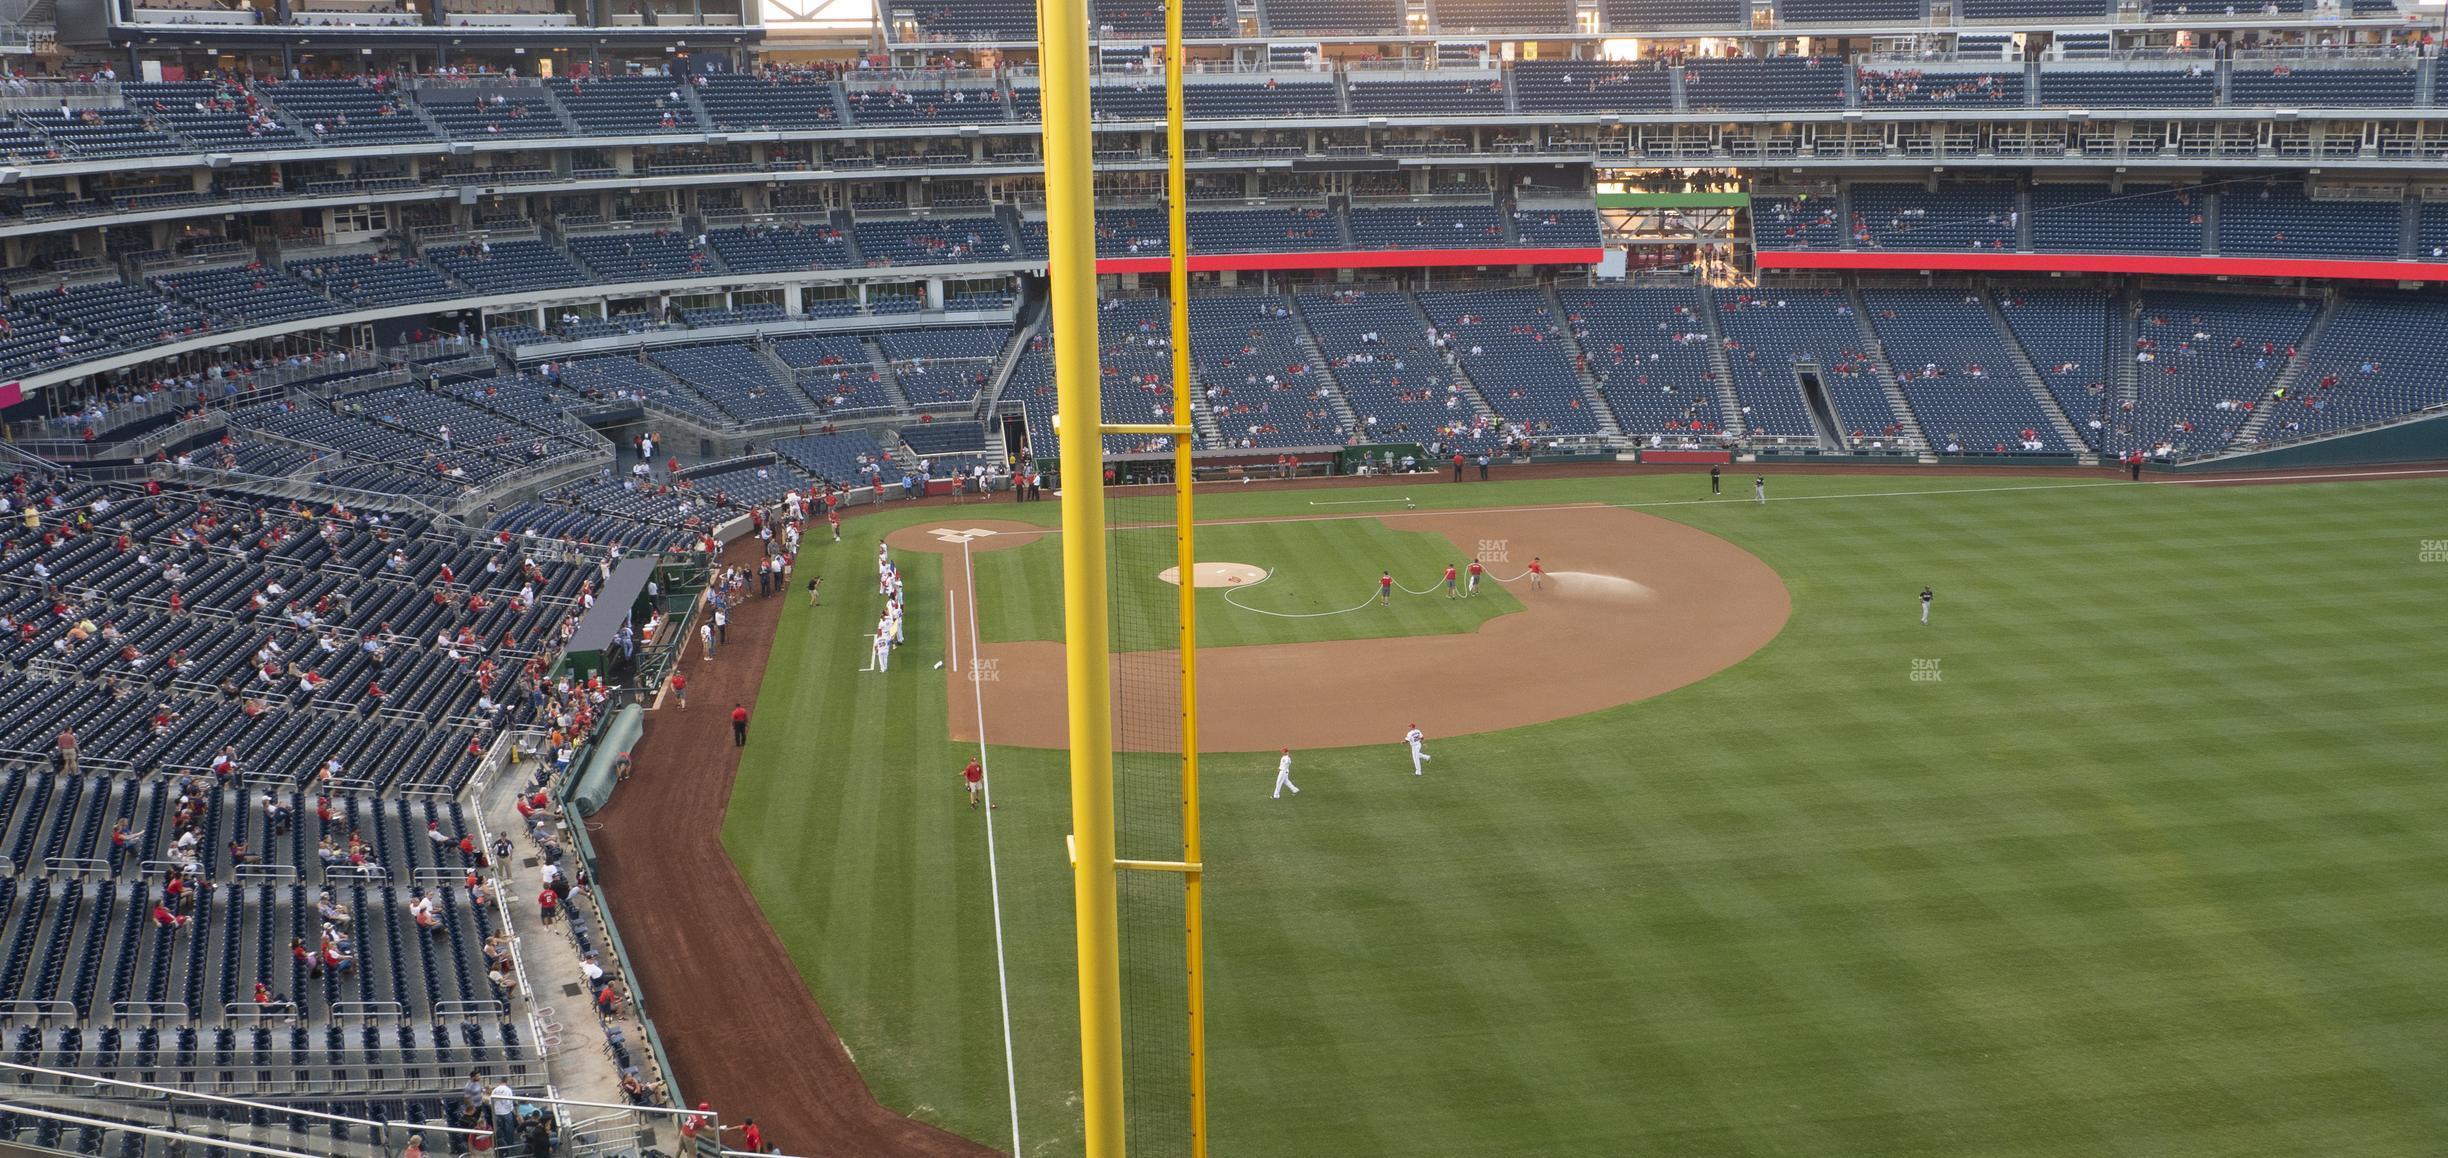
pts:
[1504, 15]
[978, 20]
[1279, 96]
[213, 116]
[788, 101]
[507, 266]
[478, 114]
[1397, 383]
[1852, 11]
[736, 379]
[1263, 231]
[1326, 16]
[782, 247]
[2199, 360]
[1768, 334]
[1518, 353]
[346, 112]
[2065, 335]
[1592, 86]
[1435, 226]
[1146, 18]
[2376, 360]
[2279, 220]
[1121, 232]
[1556, 228]
[1475, 96]
[1772, 82]
[2127, 87]
[626, 106]
[2096, 219]
[1796, 221]
[919, 106]
[640, 255]
[252, 293]
[933, 240]
[1256, 378]
[369, 280]
[1648, 349]
[2054, 11]
[1636, 15]
[1956, 217]
[1958, 374]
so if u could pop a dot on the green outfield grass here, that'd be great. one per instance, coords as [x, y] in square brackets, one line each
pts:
[1318, 567]
[2157, 863]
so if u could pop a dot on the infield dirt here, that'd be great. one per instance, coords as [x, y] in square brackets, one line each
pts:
[1633, 606]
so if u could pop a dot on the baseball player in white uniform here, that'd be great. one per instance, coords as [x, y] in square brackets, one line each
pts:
[1415, 738]
[1926, 596]
[1283, 776]
[883, 645]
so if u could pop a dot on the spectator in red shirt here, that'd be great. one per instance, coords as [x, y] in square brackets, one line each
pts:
[739, 725]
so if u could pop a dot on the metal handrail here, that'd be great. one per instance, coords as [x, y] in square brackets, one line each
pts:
[97, 1080]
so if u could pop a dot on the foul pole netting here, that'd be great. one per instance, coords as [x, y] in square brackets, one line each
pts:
[1131, 659]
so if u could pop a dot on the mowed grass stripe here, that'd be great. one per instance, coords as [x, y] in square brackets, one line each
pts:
[2156, 866]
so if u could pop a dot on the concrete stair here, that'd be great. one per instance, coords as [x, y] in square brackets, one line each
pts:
[1454, 372]
[1317, 358]
[884, 375]
[1024, 331]
[1728, 402]
[2058, 418]
[2265, 410]
[1607, 423]
[1877, 350]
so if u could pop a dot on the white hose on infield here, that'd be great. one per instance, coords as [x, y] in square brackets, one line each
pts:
[1228, 598]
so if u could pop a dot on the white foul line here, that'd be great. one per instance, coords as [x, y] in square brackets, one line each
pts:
[994, 878]
[1359, 502]
[952, 626]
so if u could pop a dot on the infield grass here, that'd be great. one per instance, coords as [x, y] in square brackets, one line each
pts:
[2156, 864]
[1322, 584]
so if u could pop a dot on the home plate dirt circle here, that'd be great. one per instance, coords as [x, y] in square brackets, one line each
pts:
[1215, 575]
[1634, 606]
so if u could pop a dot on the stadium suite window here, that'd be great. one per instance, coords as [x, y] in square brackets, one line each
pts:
[360, 219]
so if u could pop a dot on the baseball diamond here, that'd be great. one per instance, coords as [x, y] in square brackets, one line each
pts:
[1791, 833]
[1203, 579]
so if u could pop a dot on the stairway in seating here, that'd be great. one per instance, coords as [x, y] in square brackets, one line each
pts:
[1877, 350]
[1605, 414]
[2123, 377]
[1729, 403]
[1453, 366]
[882, 364]
[1025, 326]
[1325, 372]
[2057, 416]
[2265, 409]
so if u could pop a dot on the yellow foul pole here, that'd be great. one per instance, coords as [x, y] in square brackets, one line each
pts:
[1062, 39]
[1194, 937]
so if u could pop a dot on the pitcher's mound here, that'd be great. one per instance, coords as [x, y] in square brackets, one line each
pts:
[1216, 575]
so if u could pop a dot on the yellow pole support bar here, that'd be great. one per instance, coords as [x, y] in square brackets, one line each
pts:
[1174, 429]
[1062, 30]
[1194, 921]
[1160, 866]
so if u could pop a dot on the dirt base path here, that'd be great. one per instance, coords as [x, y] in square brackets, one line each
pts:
[1634, 606]
[742, 1030]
